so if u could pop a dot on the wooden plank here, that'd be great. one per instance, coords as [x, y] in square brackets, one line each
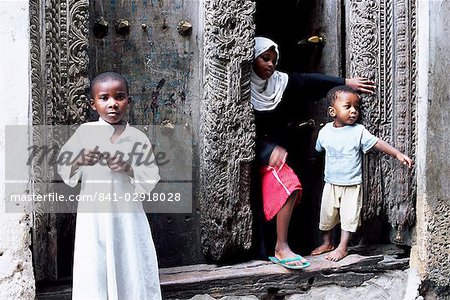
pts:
[203, 273]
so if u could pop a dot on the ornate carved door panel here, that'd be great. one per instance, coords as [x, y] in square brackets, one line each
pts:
[381, 43]
[226, 128]
[59, 70]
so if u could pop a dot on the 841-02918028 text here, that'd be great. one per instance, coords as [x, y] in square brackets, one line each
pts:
[139, 197]
[101, 197]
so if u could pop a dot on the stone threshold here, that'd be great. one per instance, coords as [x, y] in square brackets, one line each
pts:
[266, 280]
[262, 279]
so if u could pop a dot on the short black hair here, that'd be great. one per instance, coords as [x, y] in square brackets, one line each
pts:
[334, 92]
[106, 76]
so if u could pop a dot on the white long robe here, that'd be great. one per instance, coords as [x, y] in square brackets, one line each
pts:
[114, 256]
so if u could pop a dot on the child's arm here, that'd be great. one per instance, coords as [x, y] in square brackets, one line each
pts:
[146, 173]
[314, 86]
[382, 146]
[73, 155]
[311, 86]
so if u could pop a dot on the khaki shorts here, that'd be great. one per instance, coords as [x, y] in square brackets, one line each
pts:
[340, 204]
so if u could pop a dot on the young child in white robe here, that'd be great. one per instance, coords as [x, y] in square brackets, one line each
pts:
[114, 256]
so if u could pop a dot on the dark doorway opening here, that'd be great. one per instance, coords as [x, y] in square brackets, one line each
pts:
[311, 39]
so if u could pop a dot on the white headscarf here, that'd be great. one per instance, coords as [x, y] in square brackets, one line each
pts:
[266, 94]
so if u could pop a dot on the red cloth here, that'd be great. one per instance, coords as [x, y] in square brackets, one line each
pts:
[277, 186]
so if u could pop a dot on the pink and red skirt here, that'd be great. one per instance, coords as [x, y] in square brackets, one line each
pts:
[277, 186]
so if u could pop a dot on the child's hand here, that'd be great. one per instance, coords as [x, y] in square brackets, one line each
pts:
[117, 164]
[404, 159]
[277, 157]
[88, 158]
[362, 85]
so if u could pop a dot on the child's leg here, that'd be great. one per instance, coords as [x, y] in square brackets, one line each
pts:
[329, 218]
[327, 244]
[342, 250]
[282, 249]
[350, 214]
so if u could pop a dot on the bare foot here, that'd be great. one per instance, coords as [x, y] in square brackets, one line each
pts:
[287, 253]
[337, 254]
[322, 249]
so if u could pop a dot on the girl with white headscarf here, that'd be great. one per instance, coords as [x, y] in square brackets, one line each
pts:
[277, 99]
[266, 94]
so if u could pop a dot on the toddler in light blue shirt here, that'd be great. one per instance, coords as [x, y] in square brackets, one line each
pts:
[344, 142]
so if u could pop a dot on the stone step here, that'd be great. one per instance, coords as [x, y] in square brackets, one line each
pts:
[259, 278]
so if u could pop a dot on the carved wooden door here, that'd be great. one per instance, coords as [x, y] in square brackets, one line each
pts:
[155, 44]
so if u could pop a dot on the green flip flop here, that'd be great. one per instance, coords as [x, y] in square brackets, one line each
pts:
[285, 262]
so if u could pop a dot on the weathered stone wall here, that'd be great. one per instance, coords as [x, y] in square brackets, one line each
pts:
[16, 271]
[431, 251]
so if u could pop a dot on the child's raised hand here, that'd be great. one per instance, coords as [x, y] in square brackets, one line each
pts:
[117, 164]
[360, 84]
[405, 160]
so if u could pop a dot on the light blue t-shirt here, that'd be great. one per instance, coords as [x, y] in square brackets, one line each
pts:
[344, 147]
